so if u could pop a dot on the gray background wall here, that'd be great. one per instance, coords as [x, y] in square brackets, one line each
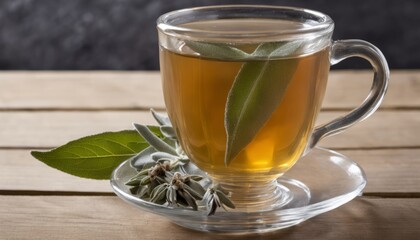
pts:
[121, 35]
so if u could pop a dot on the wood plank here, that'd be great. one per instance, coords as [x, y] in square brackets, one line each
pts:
[48, 129]
[142, 90]
[80, 90]
[52, 217]
[347, 89]
[389, 171]
[383, 129]
[40, 129]
[20, 171]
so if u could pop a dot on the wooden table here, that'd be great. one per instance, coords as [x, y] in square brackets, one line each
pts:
[40, 110]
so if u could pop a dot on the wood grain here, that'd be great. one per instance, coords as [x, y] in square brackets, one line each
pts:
[389, 171]
[49, 129]
[80, 90]
[52, 217]
[381, 130]
[20, 171]
[142, 90]
[347, 89]
[40, 129]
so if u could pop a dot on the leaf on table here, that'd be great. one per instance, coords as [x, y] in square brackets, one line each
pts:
[95, 156]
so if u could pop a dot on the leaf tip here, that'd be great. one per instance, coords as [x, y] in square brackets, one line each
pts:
[36, 154]
[139, 127]
[232, 150]
[228, 156]
[154, 113]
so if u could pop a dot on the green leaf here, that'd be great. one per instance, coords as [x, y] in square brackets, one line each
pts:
[278, 49]
[144, 157]
[217, 50]
[224, 199]
[171, 195]
[161, 118]
[153, 140]
[257, 91]
[193, 192]
[189, 199]
[197, 187]
[258, 88]
[168, 131]
[163, 155]
[95, 156]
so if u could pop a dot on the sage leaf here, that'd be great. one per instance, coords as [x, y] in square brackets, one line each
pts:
[278, 49]
[153, 140]
[163, 155]
[140, 174]
[145, 181]
[196, 178]
[196, 187]
[211, 207]
[160, 196]
[151, 185]
[161, 118]
[95, 156]
[217, 50]
[216, 200]
[193, 192]
[191, 169]
[257, 91]
[143, 158]
[134, 190]
[224, 199]
[142, 191]
[133, 182]
[171, 195]
[189, 199]
[168, 131]
[155, 195]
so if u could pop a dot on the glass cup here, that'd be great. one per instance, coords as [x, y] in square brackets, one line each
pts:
[243, 85]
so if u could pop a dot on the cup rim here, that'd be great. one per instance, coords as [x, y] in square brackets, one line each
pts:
[324, 26]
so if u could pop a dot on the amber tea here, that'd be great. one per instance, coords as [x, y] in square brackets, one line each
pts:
[196, 90]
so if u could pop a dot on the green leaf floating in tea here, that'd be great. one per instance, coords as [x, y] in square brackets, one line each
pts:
[95, 156]
[258, 89]
[217, 50]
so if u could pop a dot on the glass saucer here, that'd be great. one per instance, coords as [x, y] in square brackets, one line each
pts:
[319, 182]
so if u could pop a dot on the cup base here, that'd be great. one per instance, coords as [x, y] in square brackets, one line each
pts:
[265, 196]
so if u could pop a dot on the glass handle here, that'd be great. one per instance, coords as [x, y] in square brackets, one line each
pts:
[344, 49]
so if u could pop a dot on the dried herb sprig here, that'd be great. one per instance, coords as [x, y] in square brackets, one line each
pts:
[165, 175]
[215, 198]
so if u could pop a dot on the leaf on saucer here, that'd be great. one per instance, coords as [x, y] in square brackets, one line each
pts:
[153, 140]
[144, 157]
[161, 118]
